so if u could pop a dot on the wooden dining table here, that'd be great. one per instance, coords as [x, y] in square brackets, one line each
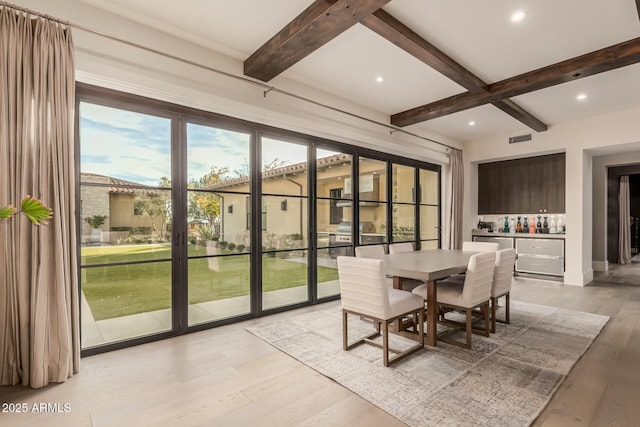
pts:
[427, 266]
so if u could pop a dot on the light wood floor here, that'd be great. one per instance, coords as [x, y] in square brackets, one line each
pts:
[228, 377]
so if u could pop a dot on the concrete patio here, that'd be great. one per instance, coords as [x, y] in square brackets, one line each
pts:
[100, 332]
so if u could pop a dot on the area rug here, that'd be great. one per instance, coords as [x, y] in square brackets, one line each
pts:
[504, 380]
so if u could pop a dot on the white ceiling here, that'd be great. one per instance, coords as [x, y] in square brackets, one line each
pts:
[477, 34]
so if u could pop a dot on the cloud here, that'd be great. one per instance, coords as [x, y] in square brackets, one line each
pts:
[137, 147]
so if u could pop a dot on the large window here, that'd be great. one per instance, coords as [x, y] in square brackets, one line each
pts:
[429, 209]
[284, 239]
[333, 213]
[404, 203]
[373, 225]
[126, 223]
[218, 191]
[190, 219]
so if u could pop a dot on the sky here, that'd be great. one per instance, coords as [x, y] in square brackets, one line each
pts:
[137, 147]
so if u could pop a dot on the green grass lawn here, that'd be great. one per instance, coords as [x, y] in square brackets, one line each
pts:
[129, 289]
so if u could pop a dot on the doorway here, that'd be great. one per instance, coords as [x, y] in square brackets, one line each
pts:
[613, 210]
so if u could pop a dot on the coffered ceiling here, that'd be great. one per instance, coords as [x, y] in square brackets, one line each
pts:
[444, 64]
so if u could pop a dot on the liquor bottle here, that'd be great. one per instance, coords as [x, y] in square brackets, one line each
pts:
[506, 224]
[560, 225]
[552, 225]
[519, 226]
[525, 227]
[539, 226]
[532, 225]
[545, 226]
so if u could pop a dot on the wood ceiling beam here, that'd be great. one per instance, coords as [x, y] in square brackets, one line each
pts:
[638, 7]
[314, 27]
[402, 36]
[599, 61]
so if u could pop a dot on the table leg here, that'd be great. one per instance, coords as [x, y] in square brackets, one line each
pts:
[397, 284]
[432, 313]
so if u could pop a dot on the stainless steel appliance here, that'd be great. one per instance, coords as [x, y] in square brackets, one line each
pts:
[340, 241]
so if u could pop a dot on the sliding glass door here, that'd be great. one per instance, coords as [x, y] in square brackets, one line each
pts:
[429, 183]
[218, 223]
[284, 216]
[190, 220]
[126, 224]
[333, 218]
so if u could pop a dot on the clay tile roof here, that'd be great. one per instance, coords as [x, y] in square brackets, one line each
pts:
[120, 186]
[283, 171]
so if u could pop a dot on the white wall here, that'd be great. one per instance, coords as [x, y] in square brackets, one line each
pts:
[580, 139]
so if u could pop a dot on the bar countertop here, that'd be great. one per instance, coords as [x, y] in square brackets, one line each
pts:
[476, 232]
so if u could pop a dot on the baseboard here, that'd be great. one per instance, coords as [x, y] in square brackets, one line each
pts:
[578, 279]
[600, 265]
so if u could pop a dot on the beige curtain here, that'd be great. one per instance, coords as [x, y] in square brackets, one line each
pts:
[39, 331]
[624, 249]
[457, 197]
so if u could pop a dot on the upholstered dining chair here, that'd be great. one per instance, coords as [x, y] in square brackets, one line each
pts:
[502, 278]
[474, 247]
[364, 293]
[474, 292]
[396, 248]
[480, 246]
[371, 251]
[377, 252]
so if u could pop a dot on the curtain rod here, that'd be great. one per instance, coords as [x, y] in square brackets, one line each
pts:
[267, 88]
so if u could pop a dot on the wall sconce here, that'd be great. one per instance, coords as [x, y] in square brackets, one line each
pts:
[283, 205]
[230, 209]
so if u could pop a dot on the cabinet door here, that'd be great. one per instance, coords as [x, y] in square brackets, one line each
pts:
[516, 179]
[535, 171]
[483, 190]
[489, 189]
[554, 183]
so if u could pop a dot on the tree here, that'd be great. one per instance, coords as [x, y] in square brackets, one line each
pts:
[203, 205]
[276, 163]
[156, 207]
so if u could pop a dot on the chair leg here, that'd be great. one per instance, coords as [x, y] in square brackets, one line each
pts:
[507, 309]
[485, 311]
[469, 327]
[385, 342]
[493, 315]
[421, 326]
[344, 330]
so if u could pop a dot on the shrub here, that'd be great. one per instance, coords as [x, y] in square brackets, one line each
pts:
[95, 221]
[240, 248]
[141, 230]
[206, 232]
[231, 246]
[223, 244]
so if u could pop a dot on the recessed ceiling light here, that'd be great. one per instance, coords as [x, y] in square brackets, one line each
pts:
[518, 16]
[472, 123]
[379, 79]
[581, 97]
